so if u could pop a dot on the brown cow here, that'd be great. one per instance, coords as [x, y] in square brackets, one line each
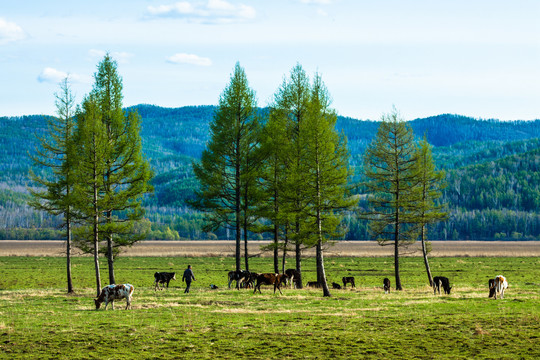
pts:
[270, 279]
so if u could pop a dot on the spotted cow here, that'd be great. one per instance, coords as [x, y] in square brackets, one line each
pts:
[500, 284]
[114, 292]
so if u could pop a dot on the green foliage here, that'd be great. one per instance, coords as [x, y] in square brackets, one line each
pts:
[228, 166]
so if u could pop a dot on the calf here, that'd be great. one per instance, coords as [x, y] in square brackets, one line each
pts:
[293, 277]
[162, 278]
[441, 281]
[491, 285]
[114, 292]
[336, 286]
[348, 280]
[314, 284]
[270, 279]
[386, 285]
[500, 284]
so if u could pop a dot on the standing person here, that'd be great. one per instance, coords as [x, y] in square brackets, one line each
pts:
[188, 275]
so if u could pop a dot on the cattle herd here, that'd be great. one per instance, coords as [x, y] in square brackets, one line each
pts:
[247, 279]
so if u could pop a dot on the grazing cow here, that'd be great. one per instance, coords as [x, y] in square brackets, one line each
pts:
[114, 292]
[491, 285]
[314, 284]
[441, 281]
[293, 277]
[270, 279]
[336, 286]
[240, 276]
[348, 280]
[386, 285]
[500, 284]
[162, 278]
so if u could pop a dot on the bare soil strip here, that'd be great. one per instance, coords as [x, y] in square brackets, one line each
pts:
[340, 248]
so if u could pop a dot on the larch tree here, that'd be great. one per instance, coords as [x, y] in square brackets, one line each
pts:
[431, 182]
[223, 170]
[274, 147]
[90, 196]
[326, 176]
[391, 182]
[291, 102]
[55, 151]
[127, 172]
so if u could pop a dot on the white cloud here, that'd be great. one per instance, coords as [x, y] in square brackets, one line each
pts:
[120, 56]
[318, 2]
[212, 11]
[189, 59]
[51, 75]
[10, 32]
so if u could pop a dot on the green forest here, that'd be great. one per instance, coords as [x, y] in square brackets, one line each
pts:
[492, 173]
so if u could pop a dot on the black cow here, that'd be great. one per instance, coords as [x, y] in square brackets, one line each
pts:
[348, 280]
[491, 285]
[270, 279]
[162, 278]
[240, 276]
[386, 285]
[293, 277]
[336, 286]
[441, 281]
[314, 284]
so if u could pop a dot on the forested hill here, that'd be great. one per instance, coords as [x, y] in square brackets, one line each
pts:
[174, 137]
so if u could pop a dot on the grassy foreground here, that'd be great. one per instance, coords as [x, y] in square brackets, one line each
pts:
[39, 320]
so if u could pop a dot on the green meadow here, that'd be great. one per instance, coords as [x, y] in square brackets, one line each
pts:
[38, 320]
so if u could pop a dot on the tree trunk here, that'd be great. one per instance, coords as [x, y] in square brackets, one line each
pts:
[96, 254]
[276, 249]
[424, 252]
[110, 255]
[68, 254]
[246, 255]
[321, 274]
[298, 256]
[237, 198]
[285, 243]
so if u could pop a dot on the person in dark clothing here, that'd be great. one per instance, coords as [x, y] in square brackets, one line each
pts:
[188, 276]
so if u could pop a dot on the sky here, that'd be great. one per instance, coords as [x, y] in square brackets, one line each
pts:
[476, 58]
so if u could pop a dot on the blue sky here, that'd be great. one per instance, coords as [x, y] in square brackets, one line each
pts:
[474, 58]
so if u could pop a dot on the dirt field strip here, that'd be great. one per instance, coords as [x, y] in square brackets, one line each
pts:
[339, 249]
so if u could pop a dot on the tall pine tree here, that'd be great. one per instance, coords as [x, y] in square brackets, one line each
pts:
[55, 151]
[430, 185]
[391, 180]
[127, 173]
[325, 179]
[223, 172]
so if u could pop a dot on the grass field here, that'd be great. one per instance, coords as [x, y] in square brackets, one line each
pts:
[38, 320]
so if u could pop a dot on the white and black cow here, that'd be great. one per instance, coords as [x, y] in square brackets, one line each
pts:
[293, 277]
[163, 278]
[115, 292]
[386, 285]
[441, 282]
[242, 277]
[500, 284]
